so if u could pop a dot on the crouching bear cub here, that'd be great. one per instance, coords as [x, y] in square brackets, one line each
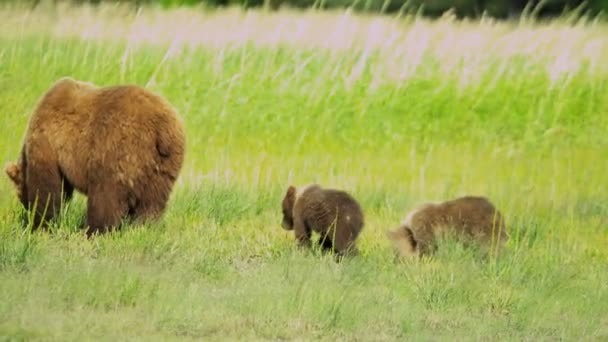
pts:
[471, 219]
[122, 146]
[334, 214]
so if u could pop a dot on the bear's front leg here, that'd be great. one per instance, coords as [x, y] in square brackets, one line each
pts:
[425, 240]
[302, 233]
[42, 181]
[107, 205]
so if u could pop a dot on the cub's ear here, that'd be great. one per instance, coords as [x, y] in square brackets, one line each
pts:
[14, 172]
[291, 191]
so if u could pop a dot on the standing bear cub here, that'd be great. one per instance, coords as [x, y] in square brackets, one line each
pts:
[334, 214]
[122, 146]
[470, 218]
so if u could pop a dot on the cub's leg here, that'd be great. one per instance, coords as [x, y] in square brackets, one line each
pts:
[426, 241]
[107, 205]
[301, 232]
[42, 181]
[345, 245]
[325, 243]
[344, 236]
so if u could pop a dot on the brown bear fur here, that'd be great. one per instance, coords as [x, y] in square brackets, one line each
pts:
[334, 214]
[122, 146]
[470, 218]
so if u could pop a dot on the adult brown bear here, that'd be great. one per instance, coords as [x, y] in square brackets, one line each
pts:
[122, 146]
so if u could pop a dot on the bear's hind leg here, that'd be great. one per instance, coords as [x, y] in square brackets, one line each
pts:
[107, 205]
[346, 247]
[148, 200]
[147, 210]
[345, 235]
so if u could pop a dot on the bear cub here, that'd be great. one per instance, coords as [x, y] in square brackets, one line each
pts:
[471, 219]
[122, 146]
[334, 214]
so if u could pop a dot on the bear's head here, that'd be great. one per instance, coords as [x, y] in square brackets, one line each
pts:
[15, 173]
[403, 241]
[287, 205]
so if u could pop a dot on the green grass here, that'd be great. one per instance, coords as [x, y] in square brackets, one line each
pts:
[516, 111]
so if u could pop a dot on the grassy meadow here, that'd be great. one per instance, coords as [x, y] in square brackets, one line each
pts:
[396, 110]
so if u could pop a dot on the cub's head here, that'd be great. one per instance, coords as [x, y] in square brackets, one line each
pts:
[15, 173]
[403, 241]
[287, 206]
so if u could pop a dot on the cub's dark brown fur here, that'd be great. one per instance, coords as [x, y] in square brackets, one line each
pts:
[474, 219]
[334, 214]
[122, 146]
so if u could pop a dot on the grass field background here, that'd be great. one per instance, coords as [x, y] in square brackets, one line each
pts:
[397, 111]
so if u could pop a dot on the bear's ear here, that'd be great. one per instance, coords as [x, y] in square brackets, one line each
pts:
[14, 172]
[290, 198]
